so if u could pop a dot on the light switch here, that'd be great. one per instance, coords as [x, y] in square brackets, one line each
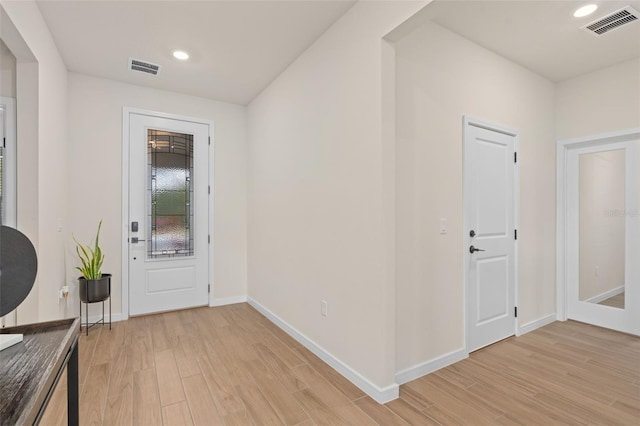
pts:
[444, 226]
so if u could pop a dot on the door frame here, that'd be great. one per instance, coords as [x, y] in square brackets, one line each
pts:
[10, 188]
[562, 182]
[466, 205]
[126, 113]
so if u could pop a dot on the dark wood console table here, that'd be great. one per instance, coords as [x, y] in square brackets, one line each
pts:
[30, 370]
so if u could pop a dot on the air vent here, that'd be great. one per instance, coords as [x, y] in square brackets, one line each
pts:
[612, 21]
[143, 66]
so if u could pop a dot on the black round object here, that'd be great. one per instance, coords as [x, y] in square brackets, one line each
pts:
[18, 268]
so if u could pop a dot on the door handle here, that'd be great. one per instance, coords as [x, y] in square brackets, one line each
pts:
[135, 240]
[472, 249]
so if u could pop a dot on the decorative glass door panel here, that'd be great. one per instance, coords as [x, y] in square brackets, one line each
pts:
[170, 194]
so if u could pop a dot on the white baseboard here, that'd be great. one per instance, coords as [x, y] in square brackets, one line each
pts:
[93, 318]
[119, 317]
[228, 301]
[530, 326]
[381, 395]
[425, 368]
[606, 295]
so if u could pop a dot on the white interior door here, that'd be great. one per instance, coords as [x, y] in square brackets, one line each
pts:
[489, 250]
[603, 235]
[168, 214]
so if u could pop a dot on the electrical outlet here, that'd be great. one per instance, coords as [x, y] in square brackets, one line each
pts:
[323, 308]
[63, 293]
[596, 271]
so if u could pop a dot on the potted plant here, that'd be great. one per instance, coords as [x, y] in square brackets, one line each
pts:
[94, 285]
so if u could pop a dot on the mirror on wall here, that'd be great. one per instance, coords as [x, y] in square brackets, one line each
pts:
[602, 228]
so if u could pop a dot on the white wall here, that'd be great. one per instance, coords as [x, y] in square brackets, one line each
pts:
[7, 72]
[95, 166]
[440, 77]
[318, 206]
[41, 86]
[599, 102]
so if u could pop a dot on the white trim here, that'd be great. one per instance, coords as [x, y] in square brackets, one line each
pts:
[126, 112]
[516, 225]
[561, 232]
[227, 301]
[124, 222]
[534, 325]
[563, 147]
[211, 206]
[471, 121]
[380, 395]
[428, 367]
[606, 295]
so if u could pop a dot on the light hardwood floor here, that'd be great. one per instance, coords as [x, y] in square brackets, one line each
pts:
[616, 301]
[231, 366]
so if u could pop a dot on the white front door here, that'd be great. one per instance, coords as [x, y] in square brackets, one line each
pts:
[489, 249]
[168, 214]
[603, 235]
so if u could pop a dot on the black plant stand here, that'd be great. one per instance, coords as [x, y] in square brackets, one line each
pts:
[86, 304]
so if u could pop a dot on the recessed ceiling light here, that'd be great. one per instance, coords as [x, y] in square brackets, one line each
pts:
[180, 54]
[585, 10]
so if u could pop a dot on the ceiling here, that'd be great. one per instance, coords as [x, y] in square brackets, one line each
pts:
[237, 47]
[542, 36]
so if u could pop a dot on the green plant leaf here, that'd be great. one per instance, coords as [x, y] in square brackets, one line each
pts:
[91, 258]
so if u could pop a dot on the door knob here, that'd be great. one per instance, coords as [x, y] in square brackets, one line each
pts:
[135, 240]
[472, 249]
